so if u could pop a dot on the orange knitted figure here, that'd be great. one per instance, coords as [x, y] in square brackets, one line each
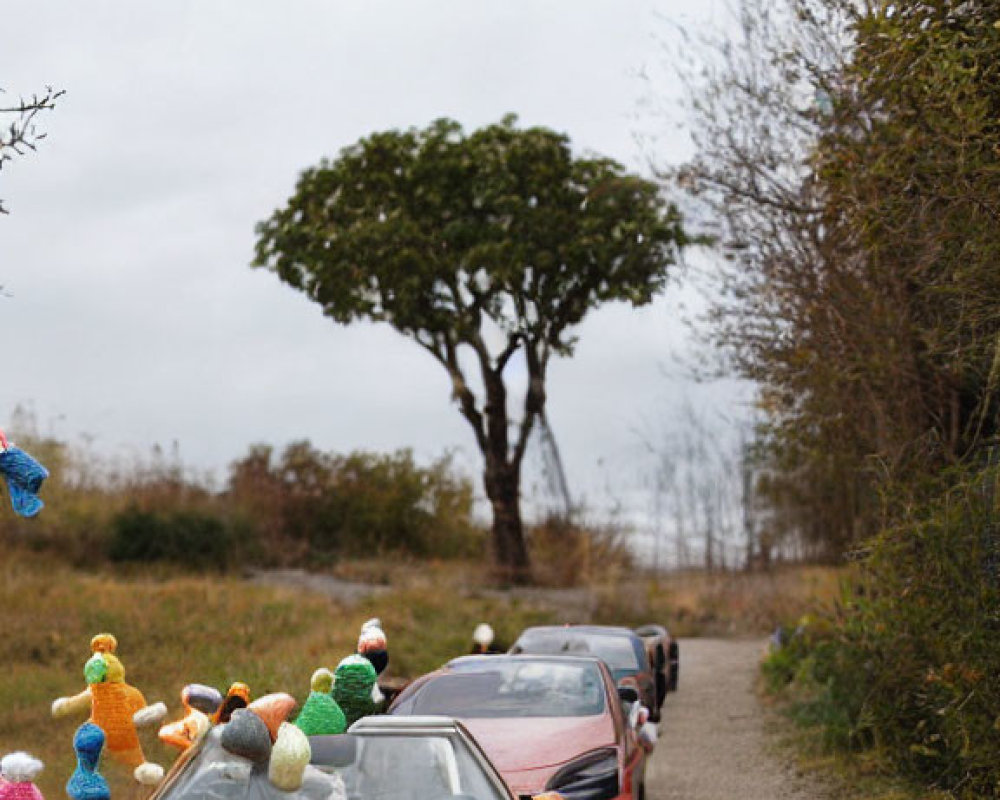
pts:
[190, 728]
[115, 707]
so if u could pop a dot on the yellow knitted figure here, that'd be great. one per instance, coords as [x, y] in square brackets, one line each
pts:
[116, 708]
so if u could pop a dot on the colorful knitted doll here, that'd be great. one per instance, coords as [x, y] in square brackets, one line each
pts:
[116, 707]
[186, 731]
[320, 713]
[18, 772]
[353, 681]
[23, 476]
[373, 645]
[86, 783]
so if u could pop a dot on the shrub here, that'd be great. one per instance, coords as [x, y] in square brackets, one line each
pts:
[909, 663]
[191, 538]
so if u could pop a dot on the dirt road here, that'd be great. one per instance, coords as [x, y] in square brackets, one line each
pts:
[713, 744]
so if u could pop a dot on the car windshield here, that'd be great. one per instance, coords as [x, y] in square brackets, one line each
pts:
[618, 652]
[379, 767]
[510, 688]
[427, 767]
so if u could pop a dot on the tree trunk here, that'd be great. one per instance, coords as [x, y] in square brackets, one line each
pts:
[502, 482]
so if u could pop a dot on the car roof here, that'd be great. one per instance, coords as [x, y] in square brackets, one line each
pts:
[382, 722]
[601, 630]
[505, 657]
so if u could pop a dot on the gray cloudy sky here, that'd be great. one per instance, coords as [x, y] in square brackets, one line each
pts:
[133, 317]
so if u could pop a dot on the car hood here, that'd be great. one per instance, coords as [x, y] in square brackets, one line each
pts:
[528, 750]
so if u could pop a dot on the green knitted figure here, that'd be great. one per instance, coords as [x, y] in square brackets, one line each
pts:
[320, 714]
[352, 687]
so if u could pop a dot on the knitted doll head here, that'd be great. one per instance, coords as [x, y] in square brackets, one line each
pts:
[483, 635]
[273, 709]
[20, 767]
[289, 756]
[238, 696]
[17, 771]
[103, 643]
[352, 687]
[247, 736]
[373, 645]
[205, 699]
[321, 681]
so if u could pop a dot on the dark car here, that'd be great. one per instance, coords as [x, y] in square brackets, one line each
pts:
[621, 649]
[664, 654]
[548, 723]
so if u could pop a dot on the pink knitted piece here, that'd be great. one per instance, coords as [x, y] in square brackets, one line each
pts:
[19, 791]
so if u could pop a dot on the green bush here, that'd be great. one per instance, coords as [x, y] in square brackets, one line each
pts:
[191, 538]
[909, 664]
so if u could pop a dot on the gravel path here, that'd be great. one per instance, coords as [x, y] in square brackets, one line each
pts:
[713, 744]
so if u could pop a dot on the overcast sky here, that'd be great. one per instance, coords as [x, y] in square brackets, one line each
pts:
[133, 317]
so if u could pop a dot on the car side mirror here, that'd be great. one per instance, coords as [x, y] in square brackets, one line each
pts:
[628, 694]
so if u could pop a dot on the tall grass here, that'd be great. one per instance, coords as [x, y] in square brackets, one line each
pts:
[174, 629]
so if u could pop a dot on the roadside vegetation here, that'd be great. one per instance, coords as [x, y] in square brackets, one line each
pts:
[848, 161]
[176, 627]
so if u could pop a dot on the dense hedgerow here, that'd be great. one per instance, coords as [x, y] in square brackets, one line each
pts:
[909, 663]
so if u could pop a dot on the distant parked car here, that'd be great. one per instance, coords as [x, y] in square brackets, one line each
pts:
[620, 648]
[664, 654]
[549, 723]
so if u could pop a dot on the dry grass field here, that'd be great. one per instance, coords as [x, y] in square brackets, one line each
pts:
[174, 629]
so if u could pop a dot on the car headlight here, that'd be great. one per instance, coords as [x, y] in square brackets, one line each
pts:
[591, 777]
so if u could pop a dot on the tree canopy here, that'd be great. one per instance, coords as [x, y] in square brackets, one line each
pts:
[499, 241]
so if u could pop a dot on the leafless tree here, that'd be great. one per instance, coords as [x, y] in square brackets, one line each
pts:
[22, 133]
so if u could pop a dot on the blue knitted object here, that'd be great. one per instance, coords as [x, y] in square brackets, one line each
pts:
[86, 783]
[24, 476]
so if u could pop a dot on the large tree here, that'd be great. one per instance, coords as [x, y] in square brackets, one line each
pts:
[493, 244]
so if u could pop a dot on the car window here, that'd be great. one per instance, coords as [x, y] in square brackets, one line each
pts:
[618, 652]
[510, 688]
[431, 767]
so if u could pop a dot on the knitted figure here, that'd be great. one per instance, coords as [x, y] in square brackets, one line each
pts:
[373, 645]
[320, 714]
[23, 476]
[86, 783]
[116, 707]
[289, 756]
[186, 731]
[353, 681]
[238, 696]
[17, 774]
[483, 640]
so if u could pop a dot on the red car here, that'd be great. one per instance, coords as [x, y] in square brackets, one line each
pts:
[548, 723]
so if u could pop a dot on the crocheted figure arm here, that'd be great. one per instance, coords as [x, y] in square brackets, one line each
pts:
[149, 715]
[77, 704]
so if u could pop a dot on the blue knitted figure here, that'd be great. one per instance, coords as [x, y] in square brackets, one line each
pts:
[86, 783]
